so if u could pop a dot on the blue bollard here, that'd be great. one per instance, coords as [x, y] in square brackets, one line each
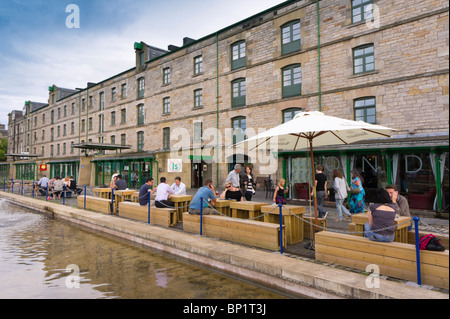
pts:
[84, 197]
[112, 201]
[32, 192]
[201, 216]
[419, 276]
[281, 228]
[21, 192]
[46, 194]
[149, 203]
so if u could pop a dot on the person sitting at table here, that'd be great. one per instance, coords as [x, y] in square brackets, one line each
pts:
[163, 195]
[400, 202]
[206, 193]
[58, 187]
[120, 184]
[381, 225]
[73, 186]
[231, 192]
[179, 187]
[144, 196]
[42, 185]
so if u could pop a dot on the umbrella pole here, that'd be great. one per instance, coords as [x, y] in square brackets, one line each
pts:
[314, 189]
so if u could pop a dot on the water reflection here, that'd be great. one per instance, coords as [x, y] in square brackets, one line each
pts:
[35, 252]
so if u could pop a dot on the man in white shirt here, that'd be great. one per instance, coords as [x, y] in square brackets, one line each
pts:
[163, 192]
[178, 187]
[233, 176]
[42, 184]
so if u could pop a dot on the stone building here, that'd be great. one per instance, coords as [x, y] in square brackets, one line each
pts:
[380, 61]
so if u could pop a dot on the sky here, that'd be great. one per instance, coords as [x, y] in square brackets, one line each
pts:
[38, 49]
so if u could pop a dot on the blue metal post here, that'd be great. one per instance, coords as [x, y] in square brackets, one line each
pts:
[12, 186]
[46, 194]
[419, 276]
[64, 194]
[281, 228]
[201, 216]
[84, 197]
[149, 203]
[32, 192]
[112, 201]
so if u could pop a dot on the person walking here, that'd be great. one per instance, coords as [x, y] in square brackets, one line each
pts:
[358, 197]
[320, 183]
[341, 189]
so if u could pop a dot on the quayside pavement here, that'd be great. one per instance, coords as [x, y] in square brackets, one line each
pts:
[295, 270]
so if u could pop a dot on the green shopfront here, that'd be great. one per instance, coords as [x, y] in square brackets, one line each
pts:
[422, 174]
[134, 169]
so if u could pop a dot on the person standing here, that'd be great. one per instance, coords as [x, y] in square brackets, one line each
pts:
[320, 183]
[163, 194]
[341, 189]
[233, 176]
[248, 184]
[145, 192]
[278, 195]
[178, 187]
[358, 197]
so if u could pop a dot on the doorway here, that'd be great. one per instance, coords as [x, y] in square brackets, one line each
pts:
[201, 171]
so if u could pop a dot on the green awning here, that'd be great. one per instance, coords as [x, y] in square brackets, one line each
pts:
[101, 146]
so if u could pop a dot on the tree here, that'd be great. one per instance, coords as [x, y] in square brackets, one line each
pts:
[3, 149]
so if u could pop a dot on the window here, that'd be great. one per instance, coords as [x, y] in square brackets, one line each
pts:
[363, 59]
[290, 37]
[123, 116]
[238, 59]
[72, 128]
[73, 108]
[198, 131]
[43, 134]
[239, 92]
[141, 87]
[289, 114]
[140, 114]
[65, 130]
[43, 118]
[91, 101]
[113, 139]
[51, 150]
[166, 105]
[90, 124]
[365, 110]
[65, 110]
[101, 123]
[113, 95]
[83, 126]
[83, 105]
[113, 118]
[140, 141]
[166, 138]
[71, 148]
[123, 139]
[166, 76]
[59, 131]
[124, 91]
[102, 100]
[239, 126]
[35, 121]
[198, 98]
[198, 65]
[292, 80]
[362, 10]
[64, 148]
[59, 113]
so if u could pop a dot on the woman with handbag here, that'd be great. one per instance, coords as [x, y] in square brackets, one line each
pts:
[340, 194]
[357, 200]
[248, 184]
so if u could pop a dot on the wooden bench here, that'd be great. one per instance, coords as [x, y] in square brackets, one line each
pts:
[248, 232]
[393, 259]
[96, 204]
[159, 216]
[309, 230]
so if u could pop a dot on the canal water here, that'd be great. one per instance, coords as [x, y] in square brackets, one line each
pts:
[50, 259]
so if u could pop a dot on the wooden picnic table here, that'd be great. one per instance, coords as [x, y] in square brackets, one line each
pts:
[247, 210]
[293, 224]
[401, 232]
[223, 206]
[182, 203]
[102, 192]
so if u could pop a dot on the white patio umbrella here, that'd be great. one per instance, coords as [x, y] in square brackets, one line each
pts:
[310, 129]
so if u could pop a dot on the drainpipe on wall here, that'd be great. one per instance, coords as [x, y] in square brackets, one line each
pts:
[318, 55]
